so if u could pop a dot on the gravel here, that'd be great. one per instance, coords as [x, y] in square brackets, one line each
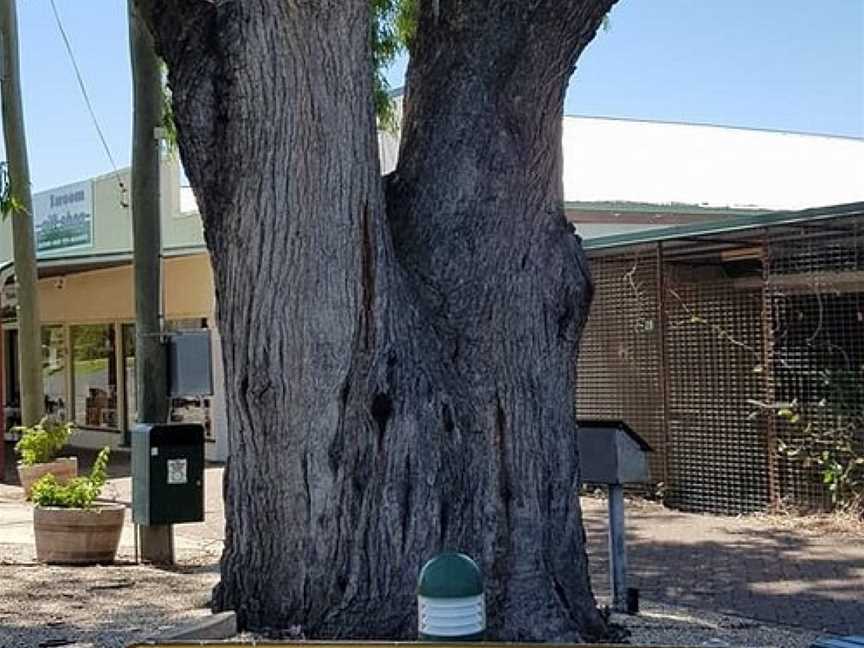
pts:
[115, 605]
[97, 606]
[659, 625]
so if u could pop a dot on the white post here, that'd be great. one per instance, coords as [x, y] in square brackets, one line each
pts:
[617, 549]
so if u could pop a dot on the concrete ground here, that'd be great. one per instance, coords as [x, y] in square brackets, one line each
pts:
[16, 516]
[752, 567]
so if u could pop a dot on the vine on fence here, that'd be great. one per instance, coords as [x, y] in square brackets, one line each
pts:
[828, 434]
[831, 438]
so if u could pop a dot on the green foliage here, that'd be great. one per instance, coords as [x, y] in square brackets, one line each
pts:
[832, 437]
[394, 23]
[168, 114]
[40, 443]
[9, 204]
[79, 492]
[92, 342]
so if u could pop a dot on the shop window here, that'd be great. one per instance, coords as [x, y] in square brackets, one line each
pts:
[193, 410]
[54, 371]
[131, 381]
[12, 396]
[94, 376]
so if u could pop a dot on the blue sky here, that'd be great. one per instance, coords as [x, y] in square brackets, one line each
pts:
[779, 64]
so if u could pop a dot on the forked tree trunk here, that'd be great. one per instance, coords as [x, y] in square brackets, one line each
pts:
[400, 373]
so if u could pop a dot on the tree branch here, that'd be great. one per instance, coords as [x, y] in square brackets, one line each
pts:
[186, 37]
[177, 24]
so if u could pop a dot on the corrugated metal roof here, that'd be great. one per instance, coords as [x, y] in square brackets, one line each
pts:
[727, 226]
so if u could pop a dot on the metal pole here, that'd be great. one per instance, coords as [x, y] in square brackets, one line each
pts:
[663, 362]
[769, 415]
[617, 549]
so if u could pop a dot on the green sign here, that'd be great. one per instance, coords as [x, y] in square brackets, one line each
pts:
[63, 218]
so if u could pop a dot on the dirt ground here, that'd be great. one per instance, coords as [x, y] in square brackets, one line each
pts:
[97, 606]
[704, 580]
[113, 606]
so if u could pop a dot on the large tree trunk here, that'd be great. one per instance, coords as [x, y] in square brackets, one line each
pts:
[399, 378]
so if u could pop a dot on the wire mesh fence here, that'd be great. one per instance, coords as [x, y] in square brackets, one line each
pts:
[740, 361]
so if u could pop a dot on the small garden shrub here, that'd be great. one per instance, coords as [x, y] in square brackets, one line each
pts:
[80, 492]
[41, 443]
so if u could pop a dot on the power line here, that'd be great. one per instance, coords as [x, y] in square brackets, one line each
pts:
[89, 104]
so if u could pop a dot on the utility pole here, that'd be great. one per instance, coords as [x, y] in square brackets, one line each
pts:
[23, 244]
[157, 541]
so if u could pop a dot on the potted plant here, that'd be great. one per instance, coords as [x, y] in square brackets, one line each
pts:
[69, 525]
[37, 448]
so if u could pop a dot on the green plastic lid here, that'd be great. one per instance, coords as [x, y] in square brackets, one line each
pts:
[450, 575]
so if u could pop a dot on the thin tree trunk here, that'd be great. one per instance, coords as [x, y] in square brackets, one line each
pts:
[397, 384]
[150, 369]
[150, 361]
[23, 244]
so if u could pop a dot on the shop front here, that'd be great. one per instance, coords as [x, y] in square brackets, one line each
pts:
[83, 237]
[88, 348]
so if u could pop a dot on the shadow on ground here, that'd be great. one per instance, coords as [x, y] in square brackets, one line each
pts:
[93, 606]
[747, 569]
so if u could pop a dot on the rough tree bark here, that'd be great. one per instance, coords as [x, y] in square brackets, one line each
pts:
[400, 369]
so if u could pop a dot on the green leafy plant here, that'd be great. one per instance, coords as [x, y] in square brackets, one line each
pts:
[831, 437]
[80, 492]
[168, 122]
[393, 25]
[41, 442]
[9, 204]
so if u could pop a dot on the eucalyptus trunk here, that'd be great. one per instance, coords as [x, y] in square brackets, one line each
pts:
[21, 212]
[399, 354]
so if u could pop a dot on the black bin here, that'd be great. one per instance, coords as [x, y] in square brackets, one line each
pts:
[167, 473]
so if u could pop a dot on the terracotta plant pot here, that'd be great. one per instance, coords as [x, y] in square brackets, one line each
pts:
[78, 536]
[63, 468]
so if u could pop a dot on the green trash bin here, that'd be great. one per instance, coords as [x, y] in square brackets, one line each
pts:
[451, 604]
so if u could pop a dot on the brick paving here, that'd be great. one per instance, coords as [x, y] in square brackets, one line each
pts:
[747, 566]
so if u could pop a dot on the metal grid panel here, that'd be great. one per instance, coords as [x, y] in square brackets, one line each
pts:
[717, 454]
[619, 361]
[816, 287]
[741, 337]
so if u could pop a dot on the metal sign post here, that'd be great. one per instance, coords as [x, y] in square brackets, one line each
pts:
[611, 453]
[617, 549]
